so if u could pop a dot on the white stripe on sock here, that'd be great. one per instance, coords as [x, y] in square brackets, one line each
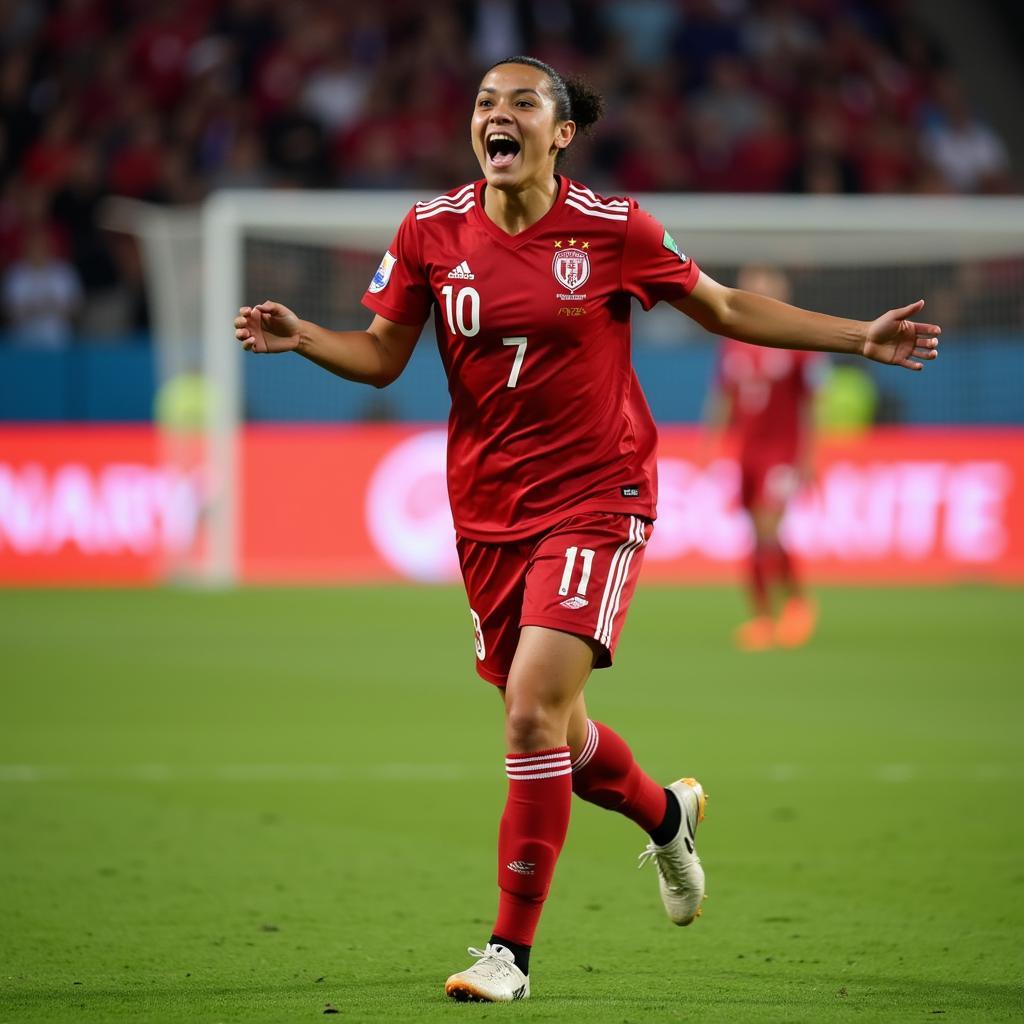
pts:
[540, 775]
[514, 759]
[589, 748]
[565, 762]
[539, 766]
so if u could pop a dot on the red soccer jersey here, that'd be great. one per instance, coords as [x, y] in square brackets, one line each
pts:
[547, 416]
[768, 389]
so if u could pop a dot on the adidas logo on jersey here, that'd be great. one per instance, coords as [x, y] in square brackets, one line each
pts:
[461, 272]
[575, 602]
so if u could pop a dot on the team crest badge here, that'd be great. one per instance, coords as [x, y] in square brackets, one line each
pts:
[571, 268]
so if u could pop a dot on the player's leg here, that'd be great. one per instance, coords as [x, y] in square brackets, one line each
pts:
[544, 670]
[582, 579]
[757, 633]
[546, 676]
[605, 773]
[798, 616]
[766, 518]
[576, 589]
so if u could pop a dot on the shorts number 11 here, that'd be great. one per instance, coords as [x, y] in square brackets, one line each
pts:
[570, 563]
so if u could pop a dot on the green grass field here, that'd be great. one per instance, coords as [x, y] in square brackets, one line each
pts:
[246, 806]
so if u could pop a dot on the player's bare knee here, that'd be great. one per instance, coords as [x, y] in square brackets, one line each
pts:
[530, 725]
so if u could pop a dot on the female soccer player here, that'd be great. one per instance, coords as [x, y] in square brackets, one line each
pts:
[551, 459]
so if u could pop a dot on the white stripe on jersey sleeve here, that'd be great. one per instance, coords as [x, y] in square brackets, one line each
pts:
[595, 213]
[588, 197]
[456, 198]
[447, 209]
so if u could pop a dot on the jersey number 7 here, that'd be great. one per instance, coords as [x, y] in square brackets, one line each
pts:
[462, 312]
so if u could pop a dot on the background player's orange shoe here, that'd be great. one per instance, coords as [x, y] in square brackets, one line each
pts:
[796, 623]
[756, 635]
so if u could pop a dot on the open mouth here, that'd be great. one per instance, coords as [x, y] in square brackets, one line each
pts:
[502, 149]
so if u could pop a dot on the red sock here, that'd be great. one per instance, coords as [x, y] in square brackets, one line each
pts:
[758, 579]
[530, 838]
[606, 774]
[786, 572]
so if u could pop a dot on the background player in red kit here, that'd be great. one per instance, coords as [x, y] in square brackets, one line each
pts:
[764, 398]
[551, 459]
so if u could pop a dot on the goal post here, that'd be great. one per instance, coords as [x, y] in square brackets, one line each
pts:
[359, 220]
[316, 251]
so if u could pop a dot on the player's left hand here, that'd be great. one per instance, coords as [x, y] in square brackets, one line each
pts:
[899, 341]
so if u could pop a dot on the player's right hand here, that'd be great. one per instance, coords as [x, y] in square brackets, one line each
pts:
[267, 327]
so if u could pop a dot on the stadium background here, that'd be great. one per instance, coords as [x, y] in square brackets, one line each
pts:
[115, 109]
[197, 793]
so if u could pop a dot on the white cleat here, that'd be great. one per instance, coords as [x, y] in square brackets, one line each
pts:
[680, 876]
[494, 978]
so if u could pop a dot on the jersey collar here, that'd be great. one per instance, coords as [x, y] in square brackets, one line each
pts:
[519, 240]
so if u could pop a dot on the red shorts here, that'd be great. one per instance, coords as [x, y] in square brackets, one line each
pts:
[578, 577]
[767, 484]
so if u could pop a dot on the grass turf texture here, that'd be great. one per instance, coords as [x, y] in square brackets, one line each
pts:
[246, 806]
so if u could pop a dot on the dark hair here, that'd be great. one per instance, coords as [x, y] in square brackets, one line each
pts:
[575, 100]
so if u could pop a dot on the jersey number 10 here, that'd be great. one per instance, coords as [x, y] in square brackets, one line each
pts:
[467, 301]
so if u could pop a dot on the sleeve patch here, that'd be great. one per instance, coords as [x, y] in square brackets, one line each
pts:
[670, 243]
[383, 275]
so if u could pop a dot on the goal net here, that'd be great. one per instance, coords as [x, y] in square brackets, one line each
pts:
[316, 252]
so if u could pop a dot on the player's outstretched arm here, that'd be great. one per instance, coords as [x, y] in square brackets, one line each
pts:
[892, 338]
[375, 356]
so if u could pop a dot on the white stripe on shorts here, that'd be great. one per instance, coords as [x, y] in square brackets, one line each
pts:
[617, 575]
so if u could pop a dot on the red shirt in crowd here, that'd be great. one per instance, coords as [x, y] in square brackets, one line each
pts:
[547, 416]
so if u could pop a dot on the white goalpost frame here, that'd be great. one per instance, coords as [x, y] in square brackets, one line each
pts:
[715, 229]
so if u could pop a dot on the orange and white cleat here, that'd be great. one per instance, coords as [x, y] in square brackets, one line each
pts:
[756, 635]
[797, 622]
[680, 875]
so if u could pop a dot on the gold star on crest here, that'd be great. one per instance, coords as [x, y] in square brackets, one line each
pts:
[558, 245]
[572, 241]
[586, 245]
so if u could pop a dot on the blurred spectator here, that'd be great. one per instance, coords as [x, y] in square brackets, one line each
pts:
[77, 207]
[495, 30]
[41, 295]
[167, 100]
[49, 160]
[103, 98]
[335, 92]
[296, 148]
[19, 123]
[970, 155]
[766, 157]
[709, 31]
[824, 167]
[887, 157]
[646, 26]
[245, 165]
[777, 32]
[158, 49]
[74, 27]
[136, 164]
[728, 100]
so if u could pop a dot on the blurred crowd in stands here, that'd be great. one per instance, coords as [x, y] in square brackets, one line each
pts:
[166, 100]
